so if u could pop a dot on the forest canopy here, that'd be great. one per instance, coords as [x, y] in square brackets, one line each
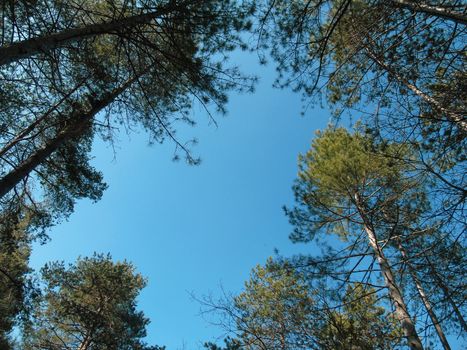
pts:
[380, 193]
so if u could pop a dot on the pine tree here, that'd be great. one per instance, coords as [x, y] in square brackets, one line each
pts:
[88, 305]
[346, 184]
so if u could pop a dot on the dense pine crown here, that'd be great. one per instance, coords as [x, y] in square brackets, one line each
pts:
[341, 167]
[89, 305]
[342, 162]
[275, 306]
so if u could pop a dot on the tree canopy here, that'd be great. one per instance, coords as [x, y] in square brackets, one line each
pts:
[383, 198]
[88, 305]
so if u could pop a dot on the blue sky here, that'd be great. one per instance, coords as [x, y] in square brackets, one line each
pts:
[191, 229]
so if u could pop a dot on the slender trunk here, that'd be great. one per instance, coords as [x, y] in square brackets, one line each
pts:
[432, 10]
[79, 121]
[424, 297]
[447, 295]
[454, 117]
[28, 48]
[395, 294]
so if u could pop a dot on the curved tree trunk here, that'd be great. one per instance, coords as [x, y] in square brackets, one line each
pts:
[401, 311]
[25, 132]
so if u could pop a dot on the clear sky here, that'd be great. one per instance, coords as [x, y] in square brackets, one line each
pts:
[190, 229]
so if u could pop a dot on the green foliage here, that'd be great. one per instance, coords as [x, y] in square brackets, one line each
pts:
[275, 308]
[341, 168]
[368, 192]
[67, 176]
[353, 50]
[88, 305]
[176, 58]
[13, 269]
[347, 163]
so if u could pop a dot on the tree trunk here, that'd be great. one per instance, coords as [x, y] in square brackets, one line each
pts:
[447, 295]
[395, 294]
[437, 11]
[28, 48]
[79, 121]
[424, 297]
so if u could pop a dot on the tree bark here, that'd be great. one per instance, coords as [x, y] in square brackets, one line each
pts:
[79, 121]
[28, 48]
[395, 294]
[437, 11]
[424, 297]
